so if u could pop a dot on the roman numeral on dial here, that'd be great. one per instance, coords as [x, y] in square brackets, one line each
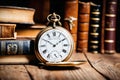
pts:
[48, 35]
[42, 45]
[45, 51]
[64, 51]
[65, 45]
[54, 33]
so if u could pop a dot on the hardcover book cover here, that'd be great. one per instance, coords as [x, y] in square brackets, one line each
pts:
[110, 26]
[70, 18]
[7, 31]
[13, 14]
[95, 28]
[28, 31]
[83, 26]
[16, 47]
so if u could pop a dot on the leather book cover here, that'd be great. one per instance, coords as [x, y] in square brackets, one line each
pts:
[110, 21]
[83, 26]
[82, 45]
[28, 31]
[84, 7]
[74, 37]
[13, 14]
[94, 48]
[7, 31]
[110, 32]
[110, 27]
[95, 20]
[94, 28]
[83, 35]
[109, 47]
[42, 9]
[103, 24]
[71, 18]
[111, 6]
[75, 41]
[83, 18]
[71, 14]
[16, 47]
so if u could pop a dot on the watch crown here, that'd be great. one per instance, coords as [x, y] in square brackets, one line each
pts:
[54, 18]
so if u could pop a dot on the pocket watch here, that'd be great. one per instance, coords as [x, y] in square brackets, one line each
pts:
[54, 44]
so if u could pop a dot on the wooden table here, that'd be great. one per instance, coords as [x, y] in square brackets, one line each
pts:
[97, 67]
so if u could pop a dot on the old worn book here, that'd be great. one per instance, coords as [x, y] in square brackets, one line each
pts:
[103, 24]
[71, 14]
[95, 28]
[28, 31]
[13, 14]
[75, 41]
[7, 31]
[70, 17]
[16, 47]
[83, 26]
[110, 26]
[42, 9]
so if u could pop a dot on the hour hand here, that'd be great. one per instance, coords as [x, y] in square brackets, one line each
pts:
[48, 42]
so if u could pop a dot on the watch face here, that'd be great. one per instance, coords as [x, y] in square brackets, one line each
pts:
[55, 45]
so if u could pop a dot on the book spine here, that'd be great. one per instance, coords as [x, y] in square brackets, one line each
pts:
[110, 26]
[103, 25]
[94, 28]
[16, 47]
[70, 16]
[83, 26]
[7, 31]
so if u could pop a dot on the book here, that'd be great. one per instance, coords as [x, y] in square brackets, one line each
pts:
[42, 9]
[28, 31]
[14, 14]
[71, 13]
[94, 28]
[103, 24]
[75, 41]
[83, 26]
[16, 47]
[7, 31]
[70, 18]
[110, 26]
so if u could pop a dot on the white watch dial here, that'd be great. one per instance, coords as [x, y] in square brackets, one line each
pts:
[54, 45]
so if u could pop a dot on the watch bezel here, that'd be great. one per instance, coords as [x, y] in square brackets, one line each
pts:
[38, 55]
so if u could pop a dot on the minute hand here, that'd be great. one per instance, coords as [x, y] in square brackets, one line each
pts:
[48, 42]
[60, 41]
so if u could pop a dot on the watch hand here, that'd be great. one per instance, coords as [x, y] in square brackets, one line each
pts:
[60, 41]
[48, 42]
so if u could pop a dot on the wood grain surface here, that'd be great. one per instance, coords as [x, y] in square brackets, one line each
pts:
[97, 67]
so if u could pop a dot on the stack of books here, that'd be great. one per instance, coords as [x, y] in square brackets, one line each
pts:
[92, 25]
[17, 33]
